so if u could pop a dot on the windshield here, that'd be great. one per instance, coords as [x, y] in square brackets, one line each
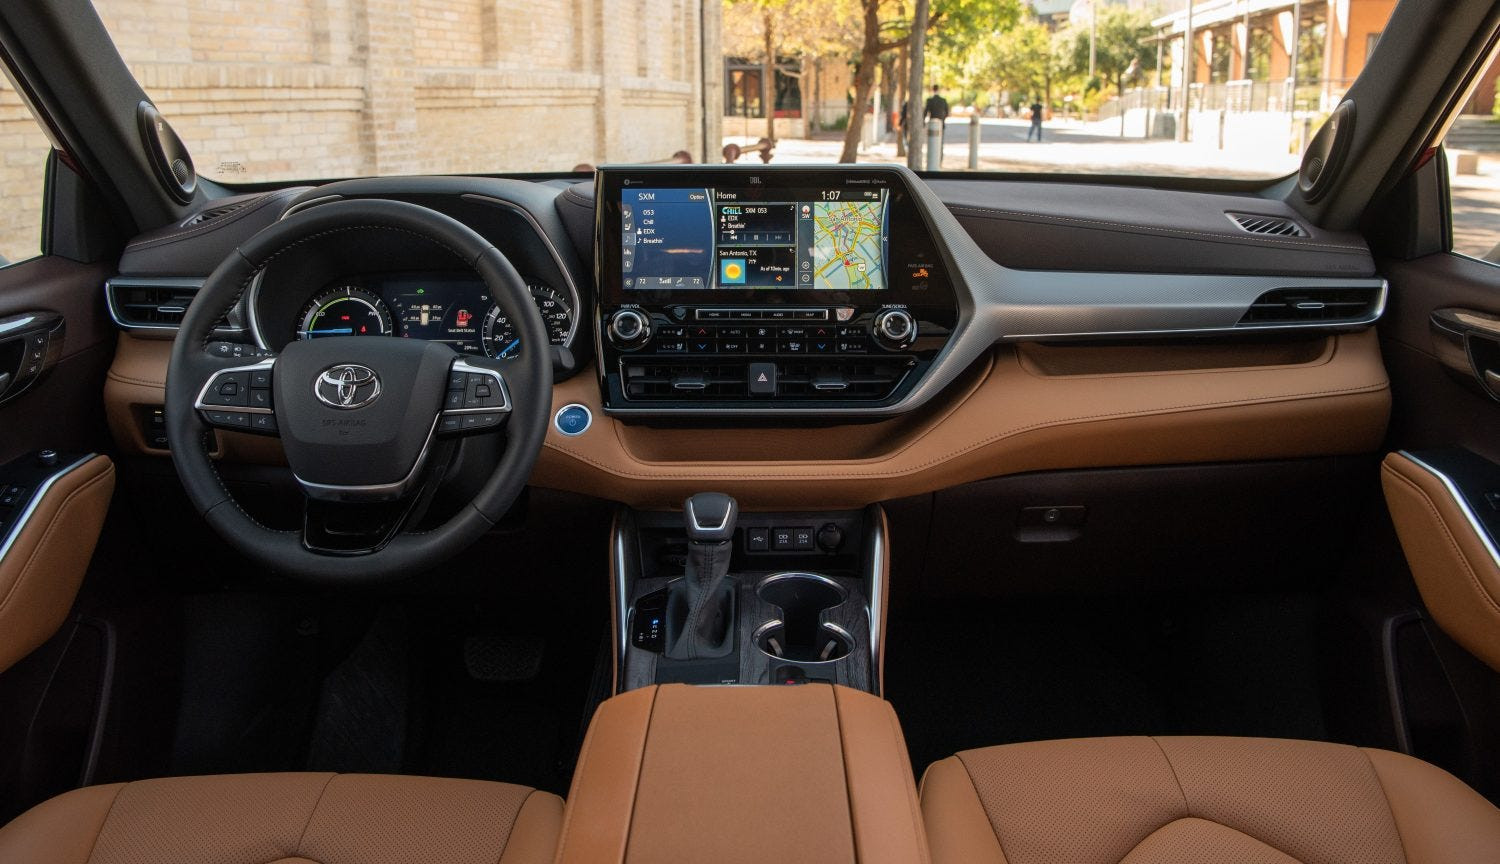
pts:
[321, 89]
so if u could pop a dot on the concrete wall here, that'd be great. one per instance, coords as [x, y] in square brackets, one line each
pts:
[313, 89]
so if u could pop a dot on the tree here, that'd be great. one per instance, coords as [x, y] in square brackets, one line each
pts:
[751, 30]
[952, 24]
[769, 30]
[1018, 59]
[1120, 40]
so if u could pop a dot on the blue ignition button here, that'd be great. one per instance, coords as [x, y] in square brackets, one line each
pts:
[573, 420]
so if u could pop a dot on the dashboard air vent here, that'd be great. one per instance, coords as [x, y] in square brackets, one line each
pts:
[211, 214]
[155, 304]
[688, 381]
[1314, 306]
[1271, 226]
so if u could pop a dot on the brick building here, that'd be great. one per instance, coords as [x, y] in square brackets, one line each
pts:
[312, 89]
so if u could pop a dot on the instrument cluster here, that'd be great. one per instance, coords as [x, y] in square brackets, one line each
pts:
[438, 307]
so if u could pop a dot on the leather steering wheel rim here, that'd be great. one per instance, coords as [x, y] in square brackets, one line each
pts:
[528, 378]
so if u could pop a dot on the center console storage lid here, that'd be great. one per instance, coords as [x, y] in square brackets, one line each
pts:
[743, 774]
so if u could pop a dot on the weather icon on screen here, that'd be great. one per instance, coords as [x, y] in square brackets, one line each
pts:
[732, 271]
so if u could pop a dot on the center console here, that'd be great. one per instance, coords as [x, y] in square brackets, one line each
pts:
[737, 289]
[714, 596]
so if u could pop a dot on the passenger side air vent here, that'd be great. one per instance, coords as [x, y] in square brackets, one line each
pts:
[1315, 306]
[156, 304]
[212, 213]
[1271, 226]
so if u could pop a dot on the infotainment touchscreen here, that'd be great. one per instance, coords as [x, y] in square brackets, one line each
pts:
[736, 237]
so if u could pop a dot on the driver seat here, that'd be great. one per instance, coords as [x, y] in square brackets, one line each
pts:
[301, 818]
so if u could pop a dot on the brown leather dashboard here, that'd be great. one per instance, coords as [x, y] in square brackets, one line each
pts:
[1026, 407]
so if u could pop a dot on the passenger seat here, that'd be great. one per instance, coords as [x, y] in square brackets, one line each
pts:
[1182, 800]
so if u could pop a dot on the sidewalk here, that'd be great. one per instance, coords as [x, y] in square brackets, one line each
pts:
[1068, 147]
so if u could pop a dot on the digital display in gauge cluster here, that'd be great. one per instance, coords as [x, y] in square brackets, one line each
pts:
[455, 310]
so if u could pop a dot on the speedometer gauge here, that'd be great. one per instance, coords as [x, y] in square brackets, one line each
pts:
[347, 310]
[499, 332]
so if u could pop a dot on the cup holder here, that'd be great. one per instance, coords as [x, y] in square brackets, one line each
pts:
[799, 635]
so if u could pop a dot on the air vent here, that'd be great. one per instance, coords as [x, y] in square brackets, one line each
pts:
[871, 379]
[1315, 306]
[155, 304]
[211, 214]
[1271, 226]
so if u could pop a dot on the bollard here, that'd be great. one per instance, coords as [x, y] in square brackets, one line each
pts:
[974, 141]
[934, 145]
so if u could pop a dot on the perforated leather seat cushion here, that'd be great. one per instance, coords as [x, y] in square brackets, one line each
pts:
[1201, 801]
[264, 818]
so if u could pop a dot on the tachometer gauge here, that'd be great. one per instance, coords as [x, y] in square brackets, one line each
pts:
[346, 310]
[499, 332]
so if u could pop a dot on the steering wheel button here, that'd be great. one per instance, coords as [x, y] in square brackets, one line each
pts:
[263, 422]
[260, 378]
[229, 388]
[450, 423]
[482, 391]
[454, 399]
[457, 379]
[260, 398]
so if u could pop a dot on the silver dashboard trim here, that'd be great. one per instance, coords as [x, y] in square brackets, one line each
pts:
[15, 530]
[557, 259]
[876, 600]
[622, 603]
[1463, 505]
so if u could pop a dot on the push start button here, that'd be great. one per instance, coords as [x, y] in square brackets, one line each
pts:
[573, 420]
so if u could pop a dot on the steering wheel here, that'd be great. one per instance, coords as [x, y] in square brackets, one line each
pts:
[366, 422]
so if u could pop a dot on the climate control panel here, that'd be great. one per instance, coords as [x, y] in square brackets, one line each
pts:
[680, 358]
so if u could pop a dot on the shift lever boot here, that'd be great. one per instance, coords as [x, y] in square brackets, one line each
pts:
[700, 606]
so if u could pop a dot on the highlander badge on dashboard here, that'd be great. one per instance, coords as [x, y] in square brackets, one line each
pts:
[347, 385]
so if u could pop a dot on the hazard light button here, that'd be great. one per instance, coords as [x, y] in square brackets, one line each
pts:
[762, 379]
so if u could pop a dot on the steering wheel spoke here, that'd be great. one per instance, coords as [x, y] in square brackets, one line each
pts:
[477, 399]
[239, 397]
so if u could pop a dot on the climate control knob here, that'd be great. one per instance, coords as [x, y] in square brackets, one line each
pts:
[629, 328]
[895, 328]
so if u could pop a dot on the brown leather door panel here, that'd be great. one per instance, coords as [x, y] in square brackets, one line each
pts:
[42, 566]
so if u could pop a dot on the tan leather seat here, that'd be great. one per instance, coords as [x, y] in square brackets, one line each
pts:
[1201, 801]
[290, 819]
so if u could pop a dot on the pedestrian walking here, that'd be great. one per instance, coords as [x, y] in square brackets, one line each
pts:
[1036, 121]
[936, 108]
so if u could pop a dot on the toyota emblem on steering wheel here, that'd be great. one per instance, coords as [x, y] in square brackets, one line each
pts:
[347, 385]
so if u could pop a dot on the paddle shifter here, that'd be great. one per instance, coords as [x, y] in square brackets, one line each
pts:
[700, 606]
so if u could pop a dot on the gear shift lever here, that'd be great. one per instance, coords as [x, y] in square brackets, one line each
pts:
[700, 607]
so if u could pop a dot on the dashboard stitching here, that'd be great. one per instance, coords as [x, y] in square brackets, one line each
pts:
[1008, 433]
[578, 197]
[215, 224]
[995, 213]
